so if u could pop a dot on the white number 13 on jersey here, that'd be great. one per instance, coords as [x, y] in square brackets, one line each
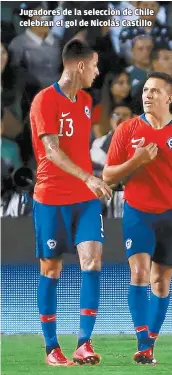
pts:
[68, 132]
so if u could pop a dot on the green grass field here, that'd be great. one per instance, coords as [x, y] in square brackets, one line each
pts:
[25, 355]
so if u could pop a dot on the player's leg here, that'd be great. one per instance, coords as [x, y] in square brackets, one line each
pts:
[90, 260]
[138, 297]
[89, 238]
[48, 239]
[160, 295]
[47, 304]
[140, 243]
[139, 306]
[161, 273]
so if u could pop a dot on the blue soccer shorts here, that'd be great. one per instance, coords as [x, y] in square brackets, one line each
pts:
[59, 229]
[148, 233]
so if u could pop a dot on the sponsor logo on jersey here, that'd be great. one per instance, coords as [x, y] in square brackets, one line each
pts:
[169, 142]
[51, 244]
[65, 114]
[87, 112]
[128, 243]
[135, 142]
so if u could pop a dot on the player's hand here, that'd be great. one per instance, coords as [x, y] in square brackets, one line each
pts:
[146, 154]
[99, 187]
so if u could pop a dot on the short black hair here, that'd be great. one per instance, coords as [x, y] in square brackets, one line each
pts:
[75, 49]
[154, 55]
[165, 77]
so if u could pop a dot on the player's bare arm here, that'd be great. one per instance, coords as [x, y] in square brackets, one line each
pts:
[143, 155]
[58, 157]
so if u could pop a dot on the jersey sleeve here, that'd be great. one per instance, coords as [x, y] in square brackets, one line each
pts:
[44, 114]
[117, 153]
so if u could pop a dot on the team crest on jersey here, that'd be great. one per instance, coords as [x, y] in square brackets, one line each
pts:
[51, 244]
[87, 112]
[169, 142]
[128, 243]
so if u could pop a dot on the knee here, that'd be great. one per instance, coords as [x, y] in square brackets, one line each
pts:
[90, 255]
[51, 268]
[160, 285]
[140, 275]
[93, 264]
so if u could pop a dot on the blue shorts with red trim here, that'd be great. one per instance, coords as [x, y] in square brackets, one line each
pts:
[59, 229]
[148, 233]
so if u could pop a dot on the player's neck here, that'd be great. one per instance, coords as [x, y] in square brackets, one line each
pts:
[69, 85]
[158, 122]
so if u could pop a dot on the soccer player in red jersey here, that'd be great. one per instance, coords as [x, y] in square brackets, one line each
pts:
[66, 208]
[141, 151]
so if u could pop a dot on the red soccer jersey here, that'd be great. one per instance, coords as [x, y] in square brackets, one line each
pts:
[150, 188]
[96, 115]
[53, 113]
